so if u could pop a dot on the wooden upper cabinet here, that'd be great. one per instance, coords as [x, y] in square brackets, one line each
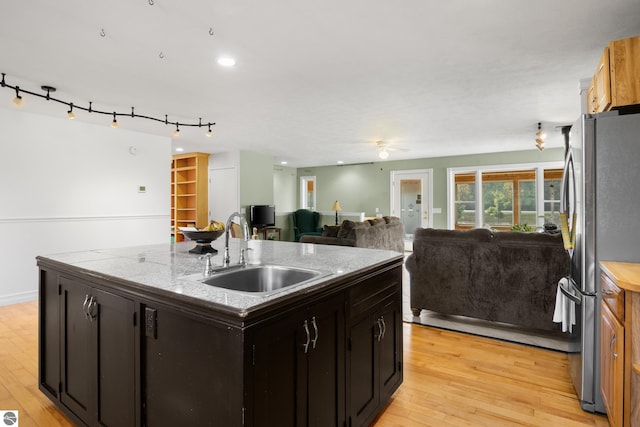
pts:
[616, 82]
[602, 84]
[625, 71]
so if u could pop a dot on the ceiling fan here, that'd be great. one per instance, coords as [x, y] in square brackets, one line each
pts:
[384, 148]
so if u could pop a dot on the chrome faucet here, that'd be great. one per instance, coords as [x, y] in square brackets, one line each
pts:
[226, 258]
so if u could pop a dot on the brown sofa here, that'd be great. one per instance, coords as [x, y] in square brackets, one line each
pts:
[380, 233]
[501, 276]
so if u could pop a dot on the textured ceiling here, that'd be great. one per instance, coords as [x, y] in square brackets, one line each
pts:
[319, 82]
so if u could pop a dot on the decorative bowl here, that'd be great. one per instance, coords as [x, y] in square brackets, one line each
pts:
[203, 240]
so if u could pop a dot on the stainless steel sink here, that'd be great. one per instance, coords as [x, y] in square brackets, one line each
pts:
[261, 278]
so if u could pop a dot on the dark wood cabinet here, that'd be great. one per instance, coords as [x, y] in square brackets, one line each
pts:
[192, 370]
[374, 356]
[298, 368]
[95, 364]
[375, 361]
[112, 355]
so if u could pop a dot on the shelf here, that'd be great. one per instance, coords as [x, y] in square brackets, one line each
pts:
[189, 191]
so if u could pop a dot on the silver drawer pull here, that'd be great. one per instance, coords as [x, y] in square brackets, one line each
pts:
[305, 346]
[315, 329]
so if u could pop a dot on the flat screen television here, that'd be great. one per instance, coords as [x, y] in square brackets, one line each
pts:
[262, 216]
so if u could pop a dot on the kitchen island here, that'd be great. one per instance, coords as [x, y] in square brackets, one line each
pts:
[132, 337]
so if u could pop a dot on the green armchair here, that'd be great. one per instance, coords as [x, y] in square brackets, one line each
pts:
[305, 223]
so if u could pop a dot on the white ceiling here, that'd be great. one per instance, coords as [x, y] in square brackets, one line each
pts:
[318, 82]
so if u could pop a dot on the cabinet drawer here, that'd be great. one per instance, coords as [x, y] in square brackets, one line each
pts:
[374, 291]
[613, 296]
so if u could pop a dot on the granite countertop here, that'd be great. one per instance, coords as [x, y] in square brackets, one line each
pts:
[625, 274]
[170, 268]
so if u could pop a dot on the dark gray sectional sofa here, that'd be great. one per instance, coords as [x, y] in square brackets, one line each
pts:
[380, 233]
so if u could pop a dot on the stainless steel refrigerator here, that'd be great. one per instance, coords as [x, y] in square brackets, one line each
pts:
[601, 187]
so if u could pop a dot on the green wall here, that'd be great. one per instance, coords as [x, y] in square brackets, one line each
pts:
[359, 187]
[364, 187]
[256, 179]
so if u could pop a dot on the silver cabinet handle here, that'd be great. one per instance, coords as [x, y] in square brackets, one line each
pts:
[613, 340]
[379, 337]
[315, 329]
[305, 346]
[85, 306]
[384, 327]
[90, 308]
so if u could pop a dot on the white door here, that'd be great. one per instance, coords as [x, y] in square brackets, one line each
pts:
[411, 199]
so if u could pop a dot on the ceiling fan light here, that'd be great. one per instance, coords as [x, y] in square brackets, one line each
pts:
[383, 154]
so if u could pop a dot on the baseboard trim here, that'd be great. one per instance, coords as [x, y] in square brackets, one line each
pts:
[18, 297]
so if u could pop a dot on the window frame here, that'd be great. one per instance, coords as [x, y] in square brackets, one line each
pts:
[526, 171]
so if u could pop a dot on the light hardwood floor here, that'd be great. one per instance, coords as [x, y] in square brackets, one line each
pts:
[450, 379]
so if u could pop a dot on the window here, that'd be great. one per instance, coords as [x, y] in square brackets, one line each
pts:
[308, 192]
[508, 197]
[465, 203]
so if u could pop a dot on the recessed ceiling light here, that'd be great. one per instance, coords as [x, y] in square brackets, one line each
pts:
[226, 61]
[340, 162]
[179, 149]
[284, 162]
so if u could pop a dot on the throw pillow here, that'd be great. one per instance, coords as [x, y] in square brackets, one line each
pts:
[348, 225]
[330, 230]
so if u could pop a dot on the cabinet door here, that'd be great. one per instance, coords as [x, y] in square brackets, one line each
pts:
[325, 366]
[49, 334]
[363, 364]
[298, 368]
[602, 89]
[279, 371]
[115, 339]
[192, 371]
[390, 348]
[612, 365]
[79, 367]
[98, 355]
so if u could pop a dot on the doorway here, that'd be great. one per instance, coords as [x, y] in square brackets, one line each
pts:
[411, 199]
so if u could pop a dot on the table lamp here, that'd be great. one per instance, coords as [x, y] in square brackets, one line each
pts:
[336, 207]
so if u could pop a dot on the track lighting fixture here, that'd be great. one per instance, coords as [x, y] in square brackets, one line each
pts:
[18, 101]
[540, 137]
[176, 133]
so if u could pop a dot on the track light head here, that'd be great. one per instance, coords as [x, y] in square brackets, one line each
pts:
[17, 100]
[114, 123]
[70, 114]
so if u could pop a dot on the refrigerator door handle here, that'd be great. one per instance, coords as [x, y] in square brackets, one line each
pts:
[575, 298]
[564, 189]
[580, 291]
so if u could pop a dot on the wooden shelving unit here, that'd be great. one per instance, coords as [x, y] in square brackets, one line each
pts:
[189, 192]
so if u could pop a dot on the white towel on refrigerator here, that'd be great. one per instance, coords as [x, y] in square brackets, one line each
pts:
[565, 310]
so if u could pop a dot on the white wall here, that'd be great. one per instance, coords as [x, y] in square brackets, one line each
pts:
[68, 186]
[224, 181]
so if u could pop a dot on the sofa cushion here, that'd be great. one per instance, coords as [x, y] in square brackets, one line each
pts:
[330, 230]
[391, 219]
[346, 229]
[377, 221]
